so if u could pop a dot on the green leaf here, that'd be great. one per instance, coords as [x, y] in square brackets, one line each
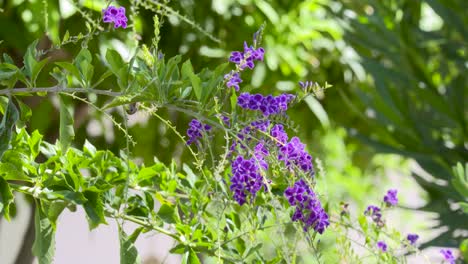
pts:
[44, 243]
[10, 171]
[6, 198]
[190, 257]
[187, 72]
[118, 67]
[167, 214]
[128, 251]
[25, 111]
[10, 117]
[69, 67]
[54, 209]
[37, 68]
[67, 133]
[94, 209]
[29, 59]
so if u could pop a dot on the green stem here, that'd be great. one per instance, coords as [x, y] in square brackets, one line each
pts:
[58, 89]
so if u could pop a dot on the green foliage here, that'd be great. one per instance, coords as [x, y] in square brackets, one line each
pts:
[418, 92]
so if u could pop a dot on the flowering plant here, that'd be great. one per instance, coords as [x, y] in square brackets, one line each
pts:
[259, 180]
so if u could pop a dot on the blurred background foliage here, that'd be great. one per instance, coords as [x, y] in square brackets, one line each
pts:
[398, 70]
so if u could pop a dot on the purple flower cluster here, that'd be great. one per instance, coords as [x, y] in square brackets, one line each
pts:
[246, 179]
[196, 130]
[448, 256]
[233, 80]
[246, 59]
[115, 15]
[391, 198]
[308, 208]
[279, 134]
[268, 105]
[382, 246]
[293, 154]
[412, 238]
[375, 213]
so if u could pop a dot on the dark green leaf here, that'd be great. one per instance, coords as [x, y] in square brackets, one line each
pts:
[10, 117]
[128, 251]
[29, 59]
[187, 72]
[67, 133]
[190, 257]
[44, 243]
[94, 209]
[6, 198]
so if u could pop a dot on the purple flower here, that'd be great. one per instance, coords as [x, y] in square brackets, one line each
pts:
[233, 80]
[391, 198]
[268, 105]
[261, 125]
[247, 57]
[382, 246]
[115, 15]
[293, 154]
[279, 134]
[309, 210]
[246, 179]
[412, 238]
[196, 130]
[375, 214]
[448, 255]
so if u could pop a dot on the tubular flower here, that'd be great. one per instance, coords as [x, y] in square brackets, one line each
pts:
[115, 15]
[412, 238]
[196, 130]
[448, 256]
[268, 105]
[247, 57]
[391, 198]
[246, 179]
[382, 246]
[293, 154]
[308, 208]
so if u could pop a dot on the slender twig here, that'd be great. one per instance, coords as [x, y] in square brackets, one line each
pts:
[58, 89]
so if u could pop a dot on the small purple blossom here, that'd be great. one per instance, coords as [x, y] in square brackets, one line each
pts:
[309, 210]
[233, 80]
[382, 246]
[246, 179]
[115, 15]
[448, 256]
[247, 57]
[412, 238]
[196, 130]
[391, 198]
[375, 214]
[293, 154]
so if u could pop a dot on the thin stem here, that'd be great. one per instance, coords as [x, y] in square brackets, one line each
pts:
[58, 89]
